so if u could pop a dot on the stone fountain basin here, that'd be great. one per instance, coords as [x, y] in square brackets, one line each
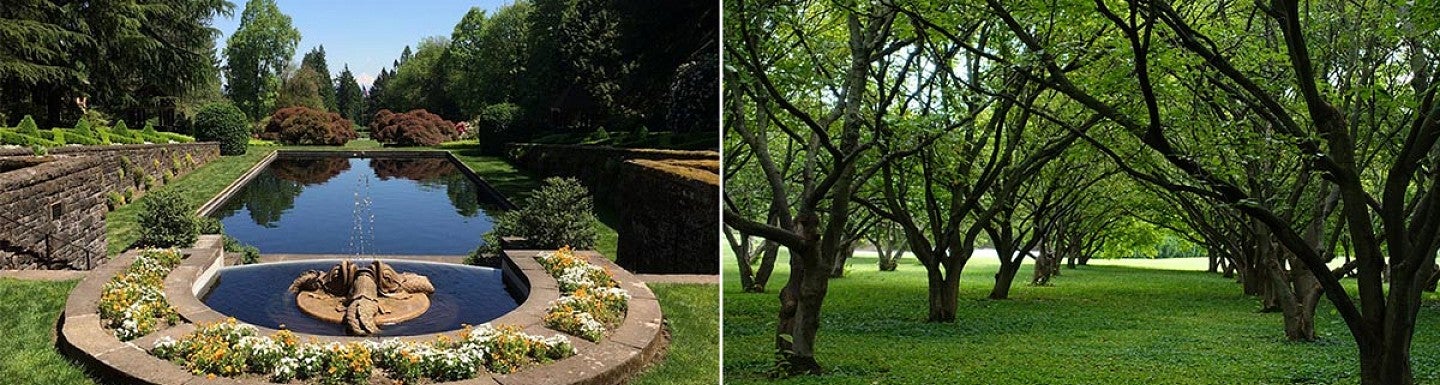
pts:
[634, 345]
[464, 295]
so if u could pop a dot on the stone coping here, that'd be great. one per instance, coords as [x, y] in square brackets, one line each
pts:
[214, 203]
[624, 152]
[629, 348]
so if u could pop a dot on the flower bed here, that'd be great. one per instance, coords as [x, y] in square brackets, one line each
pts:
[133, 303]
[231, 349]
[591, 300]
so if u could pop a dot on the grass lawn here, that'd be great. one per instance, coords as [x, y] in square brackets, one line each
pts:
[692, 312]
[28, 355]
[1096, 325]
[122, 227]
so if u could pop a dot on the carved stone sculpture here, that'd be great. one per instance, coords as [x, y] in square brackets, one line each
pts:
[362, 299]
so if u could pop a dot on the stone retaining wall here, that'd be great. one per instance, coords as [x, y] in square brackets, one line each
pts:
[667, 200]
[670, 222]
[52, 215]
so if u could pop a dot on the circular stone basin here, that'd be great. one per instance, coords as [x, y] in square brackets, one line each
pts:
[259, 295]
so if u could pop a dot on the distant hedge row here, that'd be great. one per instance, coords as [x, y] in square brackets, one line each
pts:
[29, 135]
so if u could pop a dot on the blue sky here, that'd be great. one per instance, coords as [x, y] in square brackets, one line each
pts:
[366, 34]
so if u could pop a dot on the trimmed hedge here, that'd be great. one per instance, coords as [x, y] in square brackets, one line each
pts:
[414, 128]
[10, 137]
[223, 122]
[308, 126]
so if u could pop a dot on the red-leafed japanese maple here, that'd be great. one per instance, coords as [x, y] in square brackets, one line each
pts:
[414, 128]
[304, 125]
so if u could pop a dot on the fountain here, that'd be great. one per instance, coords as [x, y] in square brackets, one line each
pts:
[362, 299]
[366, 289]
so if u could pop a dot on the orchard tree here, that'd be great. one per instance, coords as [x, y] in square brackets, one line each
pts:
[1305, 93]
[823, 117]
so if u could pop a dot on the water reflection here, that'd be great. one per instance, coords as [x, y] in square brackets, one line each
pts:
[307, 205]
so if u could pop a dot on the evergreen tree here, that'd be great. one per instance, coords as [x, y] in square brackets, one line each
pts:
[404, 57]
[349, 99]
[374, 95]
[315, 61]
[118, 54]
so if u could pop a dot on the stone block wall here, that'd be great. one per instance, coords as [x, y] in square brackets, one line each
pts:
[670, 222]
[61, 199]
[667, 200]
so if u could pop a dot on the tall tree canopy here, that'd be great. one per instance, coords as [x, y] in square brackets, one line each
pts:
[570, 66]
[121, 56]
[256, 54]
[315, 61]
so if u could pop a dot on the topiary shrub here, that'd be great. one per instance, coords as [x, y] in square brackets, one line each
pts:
[559, 214]
[165, 221]
[84, 128]
[308, 126]
[28, 127]
[223, 122]
[414, 128]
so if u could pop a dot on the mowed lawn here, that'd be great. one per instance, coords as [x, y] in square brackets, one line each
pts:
[1095, 325]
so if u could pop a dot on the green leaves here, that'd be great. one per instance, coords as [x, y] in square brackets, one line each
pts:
[255, 55]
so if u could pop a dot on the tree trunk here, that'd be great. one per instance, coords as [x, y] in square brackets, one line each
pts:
[1005, 278]
[741, 246]
[1214, 261]
[768, 252]
[944, 296]
[847, 250]
[800, 303]
[1046, 265]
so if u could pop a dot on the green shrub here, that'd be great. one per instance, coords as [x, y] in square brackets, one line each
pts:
[559, 214]
[165, 221]
[493, 126]
[27, 126]
[120, 129]
[223, 122]
[73, 137]
[83, 127]
[18, 139]
[208, 225]
[249, 254]
[114, 200]
[57, 136]
[177, 138]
